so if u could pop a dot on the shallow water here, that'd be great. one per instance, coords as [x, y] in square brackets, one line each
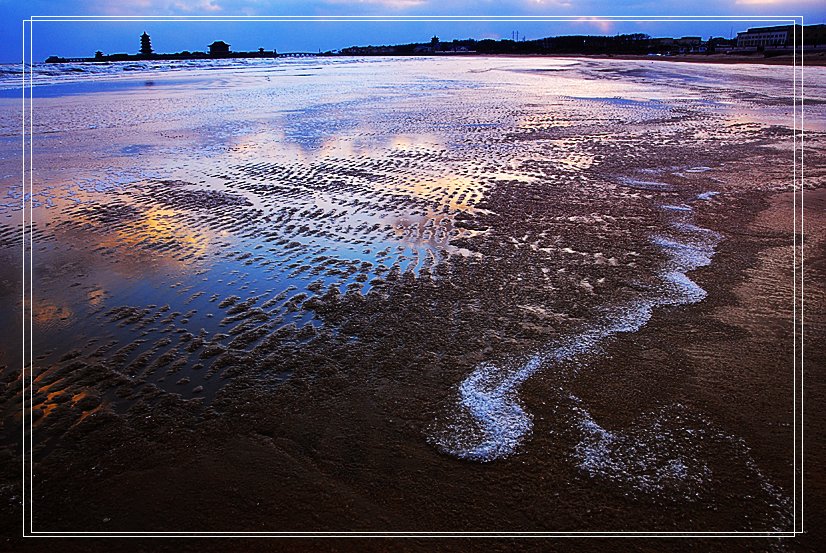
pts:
[335, 180]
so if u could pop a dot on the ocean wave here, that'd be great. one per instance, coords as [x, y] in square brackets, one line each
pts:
[44, 74]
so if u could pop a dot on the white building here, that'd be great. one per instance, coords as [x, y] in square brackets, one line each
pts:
[761, 37]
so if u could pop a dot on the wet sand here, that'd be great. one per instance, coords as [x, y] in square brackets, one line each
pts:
[299, 324]
[717, 355]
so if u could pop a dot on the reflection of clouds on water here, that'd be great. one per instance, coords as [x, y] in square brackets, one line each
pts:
[147, 231]
[48, 313]
[96, 297]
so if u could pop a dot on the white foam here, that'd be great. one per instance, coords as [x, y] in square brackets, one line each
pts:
[683, 208]
[662, 453]
[501, 420]
[632, 318]
[490, 423]
[645, 184]
[686, 255]
[688, 228]
[647, 458]
[683, 290]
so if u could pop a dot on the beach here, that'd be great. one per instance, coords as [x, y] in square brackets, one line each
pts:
[416, 295]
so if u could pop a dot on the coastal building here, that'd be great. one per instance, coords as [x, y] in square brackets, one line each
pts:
[720, 45]
[689, 41]
[682, 45]
[146, 44]
[782, 36]
[219, 48]
[367, 51]
[760, 37]
[689, 45]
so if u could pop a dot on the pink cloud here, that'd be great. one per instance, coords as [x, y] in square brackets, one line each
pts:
[389, 4]
[153, 7]
[601, 24]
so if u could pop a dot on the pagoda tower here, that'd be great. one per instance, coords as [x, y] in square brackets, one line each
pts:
[146, 45]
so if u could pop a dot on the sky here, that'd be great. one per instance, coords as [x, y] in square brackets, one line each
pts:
[77, 38]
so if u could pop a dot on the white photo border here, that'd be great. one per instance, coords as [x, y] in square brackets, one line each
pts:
[28, 295]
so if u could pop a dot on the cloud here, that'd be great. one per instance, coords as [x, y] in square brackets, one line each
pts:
[201, 6]
[153, 7]
[550, 3]
[252, 7]
[601, 24]
[774, 2]
[389, 4]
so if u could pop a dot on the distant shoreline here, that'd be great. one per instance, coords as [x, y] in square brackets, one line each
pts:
[816, 59]
[808, 59]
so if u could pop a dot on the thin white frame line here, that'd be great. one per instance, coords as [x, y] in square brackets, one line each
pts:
[795, 287]
[31, 275]
[744, 534]
[31, 176]
[415, 535]
[802, 232]
[803, 241]
[794, 532]
[581, 18]
[794, 273]
[23, 282]
[578, 533]
[394, 20]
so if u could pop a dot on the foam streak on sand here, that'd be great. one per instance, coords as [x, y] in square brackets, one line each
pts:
[650, 456]
[663, 453]
[489, 422]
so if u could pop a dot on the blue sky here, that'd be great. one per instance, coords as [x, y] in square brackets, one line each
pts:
[83, 38]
